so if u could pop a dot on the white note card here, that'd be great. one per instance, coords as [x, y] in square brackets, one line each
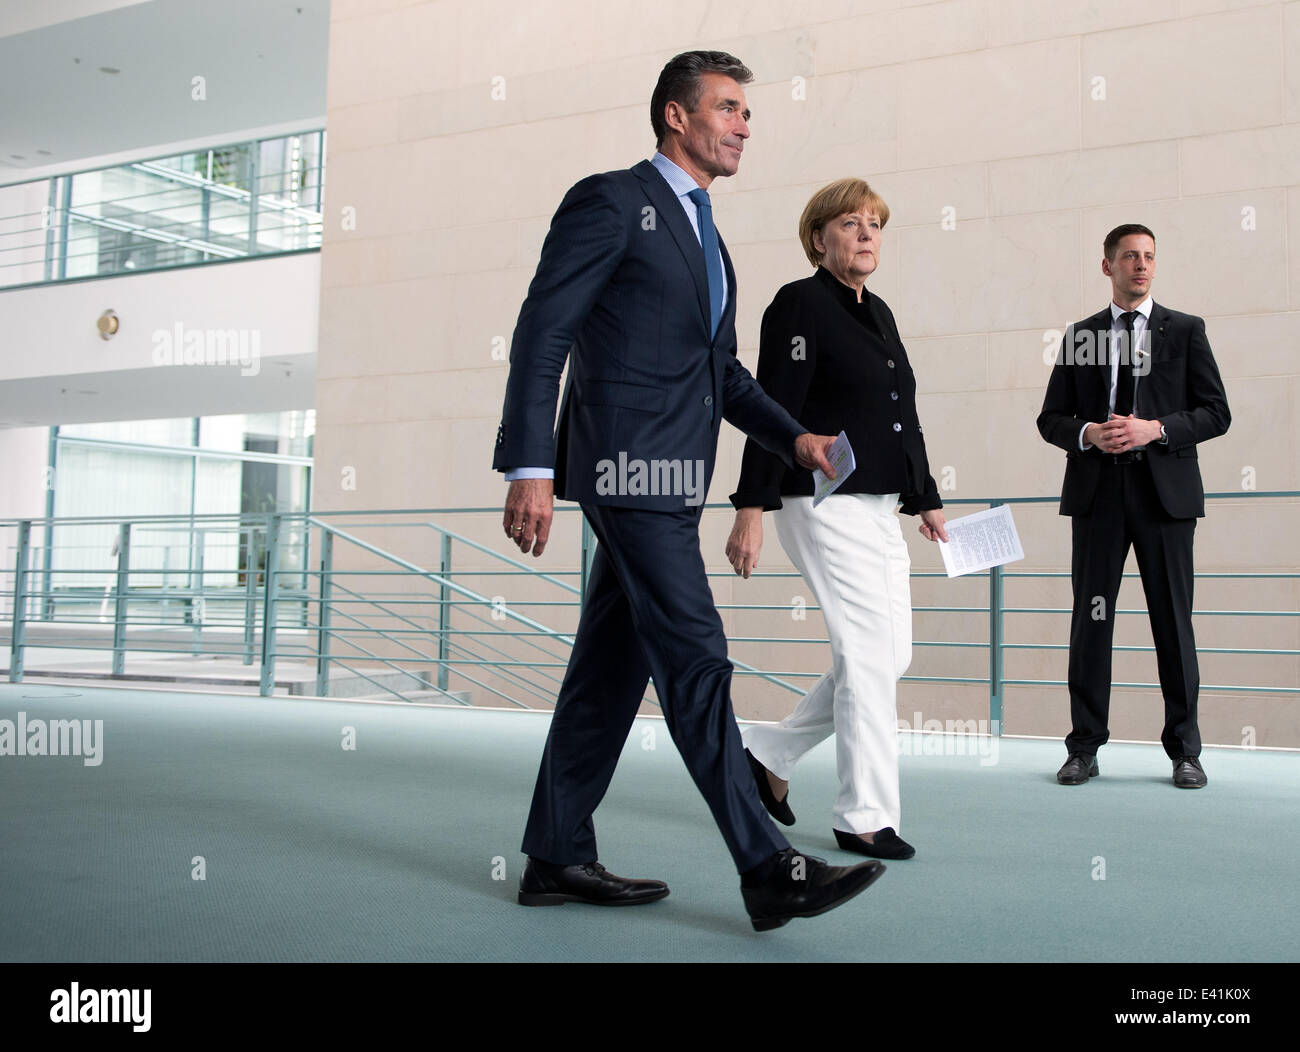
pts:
[842, 460]
[980, 541]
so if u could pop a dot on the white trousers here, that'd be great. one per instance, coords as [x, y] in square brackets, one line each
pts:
[852, 555]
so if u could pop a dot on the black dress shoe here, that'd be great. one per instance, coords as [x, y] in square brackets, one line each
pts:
[887, 844]
[1188, 773]
[1078, 769]
[792, 885]
[778, 809]
[546, 884]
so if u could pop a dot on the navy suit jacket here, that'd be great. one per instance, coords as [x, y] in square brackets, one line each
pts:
[1182, 389]
[621, 290]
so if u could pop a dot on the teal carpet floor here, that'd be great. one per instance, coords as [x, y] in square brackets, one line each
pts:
[406, 847]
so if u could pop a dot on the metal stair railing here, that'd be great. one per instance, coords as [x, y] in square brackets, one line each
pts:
[292, 566]
[444, 661]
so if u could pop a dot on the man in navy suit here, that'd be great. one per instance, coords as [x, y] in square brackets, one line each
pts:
[637, 290]
[1134, 391]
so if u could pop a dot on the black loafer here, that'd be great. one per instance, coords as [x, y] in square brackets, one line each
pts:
[1188, 773]
[791, 885]
[778, 809]
[1078, 769]
[887, 844]
[546, 884]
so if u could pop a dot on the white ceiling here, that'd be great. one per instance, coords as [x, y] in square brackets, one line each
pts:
[157, 394]
[18, 16]
[263, 61]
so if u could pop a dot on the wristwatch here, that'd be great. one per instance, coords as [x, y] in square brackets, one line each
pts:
[1164, 436]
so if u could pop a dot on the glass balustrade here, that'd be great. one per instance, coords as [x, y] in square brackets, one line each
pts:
[231, 202]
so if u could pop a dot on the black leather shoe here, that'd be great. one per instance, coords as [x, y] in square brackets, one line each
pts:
[796, 885]
[887, 844]
[1188, 773]
[778, 809]
[546, 884]
[1078, 769]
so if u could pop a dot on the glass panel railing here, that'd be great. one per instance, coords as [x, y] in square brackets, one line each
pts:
[231, 202]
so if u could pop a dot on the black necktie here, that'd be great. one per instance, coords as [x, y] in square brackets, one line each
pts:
[1124, 381]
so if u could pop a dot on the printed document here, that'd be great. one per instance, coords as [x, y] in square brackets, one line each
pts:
[842, 460]
[979, 541]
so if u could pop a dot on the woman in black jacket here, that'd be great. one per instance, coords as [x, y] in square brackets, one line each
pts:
[830, 353]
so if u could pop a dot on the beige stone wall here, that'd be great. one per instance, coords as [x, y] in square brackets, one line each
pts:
[1031, 126]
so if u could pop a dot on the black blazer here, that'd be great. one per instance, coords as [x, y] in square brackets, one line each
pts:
[621, 290]
[1182, 389]
[833, 373]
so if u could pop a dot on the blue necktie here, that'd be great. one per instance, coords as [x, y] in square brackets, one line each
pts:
[712, 264]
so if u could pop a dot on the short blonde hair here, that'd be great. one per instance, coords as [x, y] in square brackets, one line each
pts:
[837, 199]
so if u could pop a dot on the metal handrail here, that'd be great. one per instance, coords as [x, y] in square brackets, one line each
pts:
[366, 630]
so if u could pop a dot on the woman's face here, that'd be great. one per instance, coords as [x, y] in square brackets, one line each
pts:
[850, 245]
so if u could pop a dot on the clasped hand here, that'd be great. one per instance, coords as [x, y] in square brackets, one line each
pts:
[1122, 433]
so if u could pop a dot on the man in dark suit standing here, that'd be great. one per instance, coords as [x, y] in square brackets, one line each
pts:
[1133, 391]
[635, 287]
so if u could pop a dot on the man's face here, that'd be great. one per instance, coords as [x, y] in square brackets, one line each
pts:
[714, 135]
[1133, 269]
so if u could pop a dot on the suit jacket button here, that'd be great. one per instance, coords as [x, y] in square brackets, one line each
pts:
[898, 427]
[708, 399]
[893, 395]
[890, 363]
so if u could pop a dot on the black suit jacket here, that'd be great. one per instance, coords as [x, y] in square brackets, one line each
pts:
[836, 374]
[622, 287]
[1182, 389]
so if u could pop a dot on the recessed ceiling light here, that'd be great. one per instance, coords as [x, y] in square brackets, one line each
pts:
[18, 157]
[44, 153]
[108, 69]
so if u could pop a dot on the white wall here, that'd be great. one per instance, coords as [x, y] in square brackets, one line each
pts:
[24, 456]
[55, 368]
[50, 329]
[456, 126]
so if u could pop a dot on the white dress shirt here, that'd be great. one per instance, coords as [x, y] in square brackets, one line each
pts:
[1140, 326]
